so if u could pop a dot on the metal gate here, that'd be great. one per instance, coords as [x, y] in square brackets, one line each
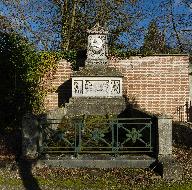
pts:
[111, 136]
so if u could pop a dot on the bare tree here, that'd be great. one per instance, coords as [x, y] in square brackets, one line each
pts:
[49, 23]
[173, 22]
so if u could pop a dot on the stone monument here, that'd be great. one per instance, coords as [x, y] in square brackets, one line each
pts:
[96, 88]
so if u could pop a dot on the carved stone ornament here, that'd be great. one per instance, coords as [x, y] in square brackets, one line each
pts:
[96, 79]
[96, 86]
[97, 29]
[97, 49]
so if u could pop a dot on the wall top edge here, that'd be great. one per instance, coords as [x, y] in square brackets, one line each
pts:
[184, 54]
[140, 55]
[155, 55]
[107, 76]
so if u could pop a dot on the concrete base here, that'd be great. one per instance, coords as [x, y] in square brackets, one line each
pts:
[169, 168]
[99, 162]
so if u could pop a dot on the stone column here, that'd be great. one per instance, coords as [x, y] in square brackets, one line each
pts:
[30, 136]
[169, 168]
[165, 136]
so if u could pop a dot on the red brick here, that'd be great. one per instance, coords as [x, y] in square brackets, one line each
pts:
[158, 83]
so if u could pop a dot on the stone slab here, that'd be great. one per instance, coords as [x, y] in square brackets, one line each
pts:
[95, 106]
[97, 71]
[111, 162]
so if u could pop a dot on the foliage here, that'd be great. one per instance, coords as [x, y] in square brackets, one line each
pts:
[43, 73]
[90, 121]
[98, 121]
[154, 41]
[16, 58]
[5, 25]
[118, 16]
[25, 76]
[62, 24]
[123, 54]
[70, 56]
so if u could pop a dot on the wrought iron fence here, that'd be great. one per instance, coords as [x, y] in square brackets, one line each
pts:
[112, 136]
[184, 112]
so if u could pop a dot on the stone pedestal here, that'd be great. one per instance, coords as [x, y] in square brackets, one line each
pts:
[169, 167]
[165, 135]
[95, 106]
[96, 90]
[97, 81]
[30, 136]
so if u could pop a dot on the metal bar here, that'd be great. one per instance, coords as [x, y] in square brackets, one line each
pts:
[75, 138]
[79, 145]
[56, 151]
[108, 123]
[57, 147]
[117, 141]
[100, 147]
[131, 118]
[97, 152]
[150, 137]
[134, 123]
[113, 137]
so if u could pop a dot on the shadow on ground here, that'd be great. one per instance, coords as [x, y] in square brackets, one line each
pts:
[10, 154]
[25, 171]
[182, 134]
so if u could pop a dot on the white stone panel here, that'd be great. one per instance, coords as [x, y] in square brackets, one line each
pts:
[96, 86]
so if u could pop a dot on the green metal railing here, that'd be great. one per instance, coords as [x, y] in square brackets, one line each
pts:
[112, 136]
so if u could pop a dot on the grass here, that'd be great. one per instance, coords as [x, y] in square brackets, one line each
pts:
[117, 179]
[94, 179]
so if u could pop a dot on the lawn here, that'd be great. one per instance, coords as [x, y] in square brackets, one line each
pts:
[12, 176]
[18, 175]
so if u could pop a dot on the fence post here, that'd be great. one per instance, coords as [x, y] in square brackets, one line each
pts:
[165, 135]
[169, 167]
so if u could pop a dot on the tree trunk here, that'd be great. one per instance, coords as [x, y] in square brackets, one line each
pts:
[75, 2]
[175, 28]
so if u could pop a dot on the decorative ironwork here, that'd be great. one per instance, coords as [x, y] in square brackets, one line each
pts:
[133, 135]
[97, 135]
[115, 136]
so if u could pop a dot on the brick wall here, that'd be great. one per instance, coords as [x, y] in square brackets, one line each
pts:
[158, 84]
[62, 76]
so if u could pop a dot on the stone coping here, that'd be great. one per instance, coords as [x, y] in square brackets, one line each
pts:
[98, 162]
[153, 55]
[97, 71]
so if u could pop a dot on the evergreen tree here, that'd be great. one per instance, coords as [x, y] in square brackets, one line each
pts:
[154, 41]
